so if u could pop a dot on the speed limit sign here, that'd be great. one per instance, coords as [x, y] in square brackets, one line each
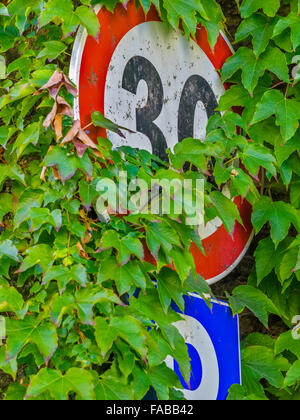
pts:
[163, 88]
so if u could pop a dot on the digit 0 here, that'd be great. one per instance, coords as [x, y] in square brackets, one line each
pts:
[196, 89]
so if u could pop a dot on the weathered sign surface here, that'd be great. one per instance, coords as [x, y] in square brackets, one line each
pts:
[164, 88]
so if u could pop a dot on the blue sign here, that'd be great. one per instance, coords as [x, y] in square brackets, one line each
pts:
[213, 342]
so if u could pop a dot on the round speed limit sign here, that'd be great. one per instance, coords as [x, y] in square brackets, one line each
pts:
[164, 88]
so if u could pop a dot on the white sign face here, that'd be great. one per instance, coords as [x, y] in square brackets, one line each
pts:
[164, 88]
[160, 86]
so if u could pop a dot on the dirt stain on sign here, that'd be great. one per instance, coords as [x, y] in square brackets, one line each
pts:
[93, 79]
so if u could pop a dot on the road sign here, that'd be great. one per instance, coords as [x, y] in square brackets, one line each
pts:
[164, 88]
[214, 347]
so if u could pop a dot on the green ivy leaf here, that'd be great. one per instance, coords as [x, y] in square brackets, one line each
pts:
[7, 38]
[126, 360]
[10, 367]
[237, 95]
[11, 171]
[285, 342]
[19, 91]
[256, 156]
[161, 235]
[110, 389]
[30, 135]
[288, 264]
[64, 276]
[149, 307]
[197, 285]
[125, 276]
[4, 133]
[253, 67]
[129, 275]
[16, 8]
[213, 31]
[295, 195]
[21, 64]
[257, 339]
[52, 50]
[89, 20]
[284, 150]
[228, 122]
[286, 110]
[242, 185]
[131, 330]
[193, 151]
[161, 377]
[59, 306]
[30, 330]
[169, 288]
[6, 205]
[239, 393]
[226, 209]
[15, 392]
[253, 299]
[179, 9]
[75, 380]
[293, 374]
[187, 10]
[8, 249]
[184, 262]
[105, 335]
[3, 10]
[270, 7]
[2, 67]
[59, 273]
[260, 28]
[62, 10]
[292, 22]
[28, 200]
[67, 165]
[37, 217]
[146, 4]
[86, 299]
[88, 193]
[280, 216]
[260, 363]
[125, 246]
[100, 121]
[265, 261]
[39, 254]
[12, 301]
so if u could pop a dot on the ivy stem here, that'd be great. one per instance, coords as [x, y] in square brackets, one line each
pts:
[263, 178]
[87, 126]
[287, 91]
[270, 194]
[231, 160]
[279, 84]
[69, 238]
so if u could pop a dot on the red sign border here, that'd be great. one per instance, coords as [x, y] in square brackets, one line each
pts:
[233, 248]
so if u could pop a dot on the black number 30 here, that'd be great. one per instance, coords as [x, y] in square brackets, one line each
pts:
[196, 89]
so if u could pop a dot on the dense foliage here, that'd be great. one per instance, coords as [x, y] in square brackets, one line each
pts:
[76, 328]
